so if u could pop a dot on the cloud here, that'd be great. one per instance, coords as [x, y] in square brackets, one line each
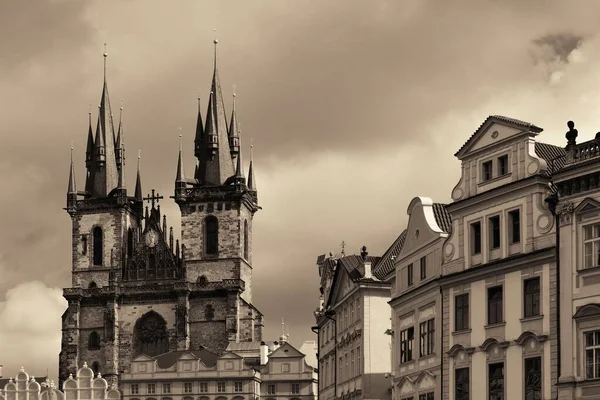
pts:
[30, 328]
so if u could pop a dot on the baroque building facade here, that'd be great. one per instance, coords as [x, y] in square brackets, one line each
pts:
[137, 291]
[416, 303]
[353, 351]
[280, 372]
[499, 271]
[577, 203]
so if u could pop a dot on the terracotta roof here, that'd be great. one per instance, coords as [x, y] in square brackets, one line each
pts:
[442, 218]
[500, 118]
[166, 360]
[352, 262]
[386, 264]
[246, 346]
[552, 155]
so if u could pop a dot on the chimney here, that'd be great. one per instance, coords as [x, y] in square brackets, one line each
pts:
[275, 345]
[264, 351]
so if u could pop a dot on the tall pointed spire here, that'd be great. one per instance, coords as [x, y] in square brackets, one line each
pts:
[72, 188]
[119, 147]
[89, 155]
[199, 132]
[72, 185]
[216, 163]
[138, 181]
[239, 177]
[105, 177]
[234, 142]
[180, 172]
[251, 179]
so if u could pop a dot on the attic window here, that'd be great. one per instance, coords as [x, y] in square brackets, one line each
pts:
[486, 170]
[503, 165]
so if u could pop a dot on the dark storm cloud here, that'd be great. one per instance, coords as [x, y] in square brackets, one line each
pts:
[559, 46]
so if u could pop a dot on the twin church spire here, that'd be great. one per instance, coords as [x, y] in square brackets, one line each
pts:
[217, 148]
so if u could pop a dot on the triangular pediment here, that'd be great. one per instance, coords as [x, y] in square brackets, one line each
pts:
[587, 205]
[230, 356]
[142, 357]
[187, 356]
[286, 351]
[495, 129]
[340, 287]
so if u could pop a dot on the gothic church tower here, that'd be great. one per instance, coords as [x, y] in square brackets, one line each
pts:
[134, 289]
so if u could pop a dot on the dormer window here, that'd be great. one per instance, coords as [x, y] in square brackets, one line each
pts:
[503, 165]
[495, 232]
[486, 170]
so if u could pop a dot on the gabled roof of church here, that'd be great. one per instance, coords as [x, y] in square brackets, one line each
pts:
[386, 263]
[166, 360]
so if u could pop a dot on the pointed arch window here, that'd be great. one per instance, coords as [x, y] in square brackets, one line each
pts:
[96, 368]
[246, 239]
[150, 335]
[94, 341]
[98, 245]
[129, 243]
[92, 285]
[212, 235]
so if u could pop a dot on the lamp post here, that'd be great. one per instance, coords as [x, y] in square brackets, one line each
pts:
[330, 315]
[552, 200]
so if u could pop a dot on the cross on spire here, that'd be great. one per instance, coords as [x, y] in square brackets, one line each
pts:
[153, 198]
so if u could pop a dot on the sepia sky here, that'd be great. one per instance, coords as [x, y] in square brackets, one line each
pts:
[354, 107]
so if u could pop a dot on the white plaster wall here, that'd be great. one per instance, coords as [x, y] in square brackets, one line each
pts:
[513, 373]
[479, 375]
[513, 300]
[477, 307]
[545, 286]
[377, 343]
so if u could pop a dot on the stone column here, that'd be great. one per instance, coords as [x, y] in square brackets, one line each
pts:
[69, 354]
[110, 371]
[183, 325]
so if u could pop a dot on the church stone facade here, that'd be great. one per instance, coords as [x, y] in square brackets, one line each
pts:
[137, 291]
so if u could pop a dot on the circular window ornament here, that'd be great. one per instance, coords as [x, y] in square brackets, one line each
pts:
[494, 134]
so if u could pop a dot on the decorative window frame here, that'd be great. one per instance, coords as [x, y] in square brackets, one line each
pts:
[587, 318]
[532, 346]
[461, 358]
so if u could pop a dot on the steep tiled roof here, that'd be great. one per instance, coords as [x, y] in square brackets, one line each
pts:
[442, 218]
[500, 118]
[551, 154]
[168, 359]
[386, 263]
[352, 262]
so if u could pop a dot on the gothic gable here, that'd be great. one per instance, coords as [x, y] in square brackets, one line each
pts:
[153, 258]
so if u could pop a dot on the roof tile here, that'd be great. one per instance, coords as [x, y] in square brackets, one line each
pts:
[386, 264]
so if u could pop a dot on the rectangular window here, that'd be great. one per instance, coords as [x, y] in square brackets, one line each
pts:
[203, 387]
[151, 388]
[187, 387]
[591, 244]
[238, 386]
[221, 387]
[358, 365]
[347, 372]
[341, 364]
[495, 315]
[295, 388]
[533, 378]
[346, 317]
[461, 384]
[486, 169]
[461, 312]
[503, 165]
[135, 389]
[496, 381]
[166, 388]
[592, 355]
[409, 275]
[476, 238]
[531, 297]
[352, 368]
[514, 221]
[326, 378]
[494, 232]
[358, 315]
[426, 396]
[423, 268]
[352, 312]
[270, 389]
[426, 337]
[406, 344]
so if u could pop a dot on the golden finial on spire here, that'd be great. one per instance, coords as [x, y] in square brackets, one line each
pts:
[105, 56]
[233, 90]
[72, 151]
[180, 136]
[215, 41]
[90, 109]
[121, 104]
[251, 150]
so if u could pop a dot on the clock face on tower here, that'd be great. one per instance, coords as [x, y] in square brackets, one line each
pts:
[151, 238]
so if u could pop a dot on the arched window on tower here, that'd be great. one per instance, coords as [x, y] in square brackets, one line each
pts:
[94, 341]
[246, 239]
[211, 228]
[150, 335]
[129, 243]
[98, 246]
